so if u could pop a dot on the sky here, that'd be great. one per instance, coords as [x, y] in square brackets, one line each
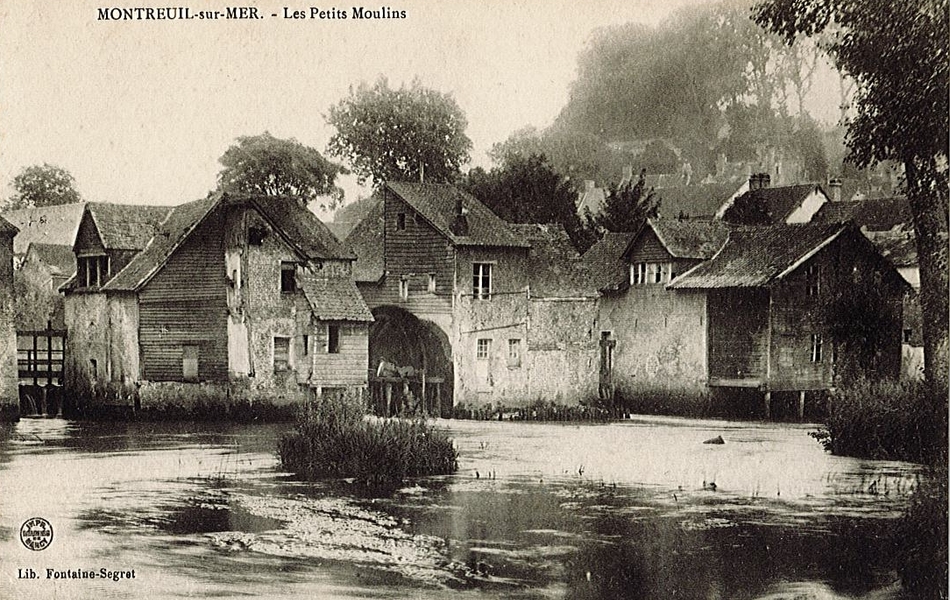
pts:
[140, 111]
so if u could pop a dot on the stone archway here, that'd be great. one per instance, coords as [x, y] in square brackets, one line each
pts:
[402, 339]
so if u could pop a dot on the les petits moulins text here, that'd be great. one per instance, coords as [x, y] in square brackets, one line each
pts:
[185, 13]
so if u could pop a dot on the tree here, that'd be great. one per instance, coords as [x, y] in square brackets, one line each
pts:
[627, 207]
[263, 164]
[42, 185]
[897, 54]
[528, 190]
[406, 134]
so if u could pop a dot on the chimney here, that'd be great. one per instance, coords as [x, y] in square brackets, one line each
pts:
[765, 180]
[459, 224]
[588, 185]
[835, 185]
[755, 181]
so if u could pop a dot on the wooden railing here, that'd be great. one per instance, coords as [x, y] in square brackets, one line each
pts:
[40, 356]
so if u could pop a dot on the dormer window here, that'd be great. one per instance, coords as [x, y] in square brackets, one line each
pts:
[92, 271]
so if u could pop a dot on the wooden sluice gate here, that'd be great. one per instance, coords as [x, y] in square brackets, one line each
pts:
[40, 358]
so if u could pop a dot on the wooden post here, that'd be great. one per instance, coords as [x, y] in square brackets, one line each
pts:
[768, 406]
[801, 405]
[425, 401]
[49, 353]
[34, 366]
[389, 398]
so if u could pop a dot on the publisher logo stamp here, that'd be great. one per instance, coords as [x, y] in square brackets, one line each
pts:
[36, 533]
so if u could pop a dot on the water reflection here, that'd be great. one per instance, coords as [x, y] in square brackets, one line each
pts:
[638, 509]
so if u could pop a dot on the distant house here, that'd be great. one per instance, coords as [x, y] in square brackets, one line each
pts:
[705, 307]
[43, 260]
[457, 293]
[775, 205]
[590, 199]
[37, 278]
[229, 299]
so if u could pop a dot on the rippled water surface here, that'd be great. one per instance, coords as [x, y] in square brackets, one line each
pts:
[637, 509]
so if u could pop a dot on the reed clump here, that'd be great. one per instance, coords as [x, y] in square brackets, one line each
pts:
[335, 439]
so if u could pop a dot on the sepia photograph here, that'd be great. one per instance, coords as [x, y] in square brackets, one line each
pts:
[480, 299]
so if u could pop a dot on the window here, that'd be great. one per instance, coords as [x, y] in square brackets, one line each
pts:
[333, 339]
[288, 277]
[401, 222]
[94, 367]
[481, 280]
[908, 334]
[514, 353]
[640, 274]
[813, 280]
[816, 347]
[404, 288]
[189, 363]
[92, 271]
[662, 273]
[306, 344]
[483, 349]
[281, 353]
[431, 283]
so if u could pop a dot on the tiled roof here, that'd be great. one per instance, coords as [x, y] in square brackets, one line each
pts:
[126, 226]
[59, 257]
[757, 256]
[46, 225]
[604, 263]
[898, 245]
[8, 228]
[690, 238]
[779, 202]
[554, 268]
[703, 200]
[334, 298]
[881, 214]
[181, 221]
[301, 227]
[366, 242]
[436, 202]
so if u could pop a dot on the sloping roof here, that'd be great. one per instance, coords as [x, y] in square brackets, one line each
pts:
[693, 201]
[436, 203]
[8, 228]
[881, 214]
[366, 242]
[604, 264]
[593, 200]
[181, 221]
[301, 227]
[126, 226]
[554, 268]
[690, 238]
[59, 258]
[46, 225]
[757, 256]
[334, 298]
[779, 202]
[898, 245]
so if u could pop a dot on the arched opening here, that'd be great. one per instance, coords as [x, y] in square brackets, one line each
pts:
[411, 364]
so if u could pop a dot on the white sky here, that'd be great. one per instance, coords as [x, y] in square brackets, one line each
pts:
[140, 111]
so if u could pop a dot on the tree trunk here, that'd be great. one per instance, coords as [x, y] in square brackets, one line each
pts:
[927, 193]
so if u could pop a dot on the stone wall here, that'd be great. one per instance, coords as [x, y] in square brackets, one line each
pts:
[660, 342]
[9, 392]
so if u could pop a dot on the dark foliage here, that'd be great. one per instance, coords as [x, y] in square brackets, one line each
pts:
[627, 207]
[923, 530]
[400, 134]
[263, 164]
[42, 185]
[526, 189]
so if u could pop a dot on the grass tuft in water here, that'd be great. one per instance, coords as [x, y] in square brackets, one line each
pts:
[334, 439]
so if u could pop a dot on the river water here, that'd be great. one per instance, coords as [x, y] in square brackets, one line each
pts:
[635, 509]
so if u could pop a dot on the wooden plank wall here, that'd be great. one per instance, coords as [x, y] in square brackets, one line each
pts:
[349, 366]
[738, 325]
[186, 304]
[648, 249]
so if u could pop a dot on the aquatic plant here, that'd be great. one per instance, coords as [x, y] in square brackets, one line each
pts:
[886, 420]
[334, 439]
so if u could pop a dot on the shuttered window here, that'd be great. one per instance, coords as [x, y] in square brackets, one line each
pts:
[333, 339]
[189, 363]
